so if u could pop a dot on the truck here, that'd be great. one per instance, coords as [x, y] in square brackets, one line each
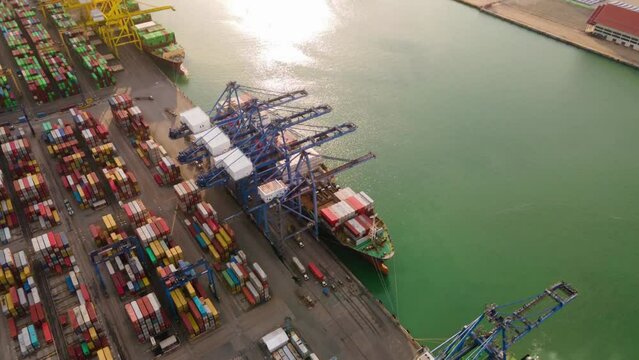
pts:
[317, 273]
[300, 267]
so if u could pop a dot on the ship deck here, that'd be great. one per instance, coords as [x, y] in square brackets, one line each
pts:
[349, 324]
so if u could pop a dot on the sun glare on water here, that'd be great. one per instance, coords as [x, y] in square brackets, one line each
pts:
[282, 27]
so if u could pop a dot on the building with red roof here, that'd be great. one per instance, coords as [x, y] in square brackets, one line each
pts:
[616, 24]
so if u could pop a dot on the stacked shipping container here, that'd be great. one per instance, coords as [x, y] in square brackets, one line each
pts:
[188, 195]
[122, 183]
[56, 75]
[53, 251]
[147, 317]
[8, 100]
[197, 312]
[129, 118]
[8, 217]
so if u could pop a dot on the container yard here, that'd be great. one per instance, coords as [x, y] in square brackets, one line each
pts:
[191, 254]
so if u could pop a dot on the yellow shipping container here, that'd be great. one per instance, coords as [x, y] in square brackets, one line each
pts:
[56, 217]
[205, 238]
[190, 289]
[93, 334]
[226, 236]
[101, 355]
[9, 205]
[214, 253]
[214, 312]
[107, 353]
[146, 281]
[9, 276]
[196, 328]
[223, 243]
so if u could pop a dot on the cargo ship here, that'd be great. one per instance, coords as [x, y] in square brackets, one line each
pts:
[160, 44]
[349, 219]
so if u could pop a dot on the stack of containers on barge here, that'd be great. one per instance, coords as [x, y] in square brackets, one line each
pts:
[85, 335]
[8, 100]
[125, 270]
[147, 317]
[79, 45]
[195, 309]
[29, 185]
[29, 69]
[73, 167]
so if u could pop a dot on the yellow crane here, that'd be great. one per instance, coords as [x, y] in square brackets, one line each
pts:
[111, 19]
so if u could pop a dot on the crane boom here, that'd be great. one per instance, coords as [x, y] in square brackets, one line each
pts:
[507, 329]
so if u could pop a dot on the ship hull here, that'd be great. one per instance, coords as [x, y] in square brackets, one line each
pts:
[174, 66]
[327, 235]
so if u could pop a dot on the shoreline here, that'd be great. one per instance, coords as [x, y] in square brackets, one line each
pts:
[555, 30]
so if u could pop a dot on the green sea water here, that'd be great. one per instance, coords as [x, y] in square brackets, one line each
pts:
[506, 161]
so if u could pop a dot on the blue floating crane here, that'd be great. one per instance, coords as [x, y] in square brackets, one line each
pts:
[503, 327]
[184, 274]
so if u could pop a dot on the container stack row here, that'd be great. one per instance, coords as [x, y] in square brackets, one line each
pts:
[23, 306]
[147, 317]
[73, 168]
[196, 310]
[216, 239]
[188, 195]
[28, 183]
[250, 280]
[53, 251]
[30, 70]
[129, 118]
[8, 101]
[106, 156]
[8, 217]
[136, 212]
[127, 274]
[79, 45]
[155, 237]
[85, 335]
[55, 67]
[14, 268]
[106, 233]
[122, 183]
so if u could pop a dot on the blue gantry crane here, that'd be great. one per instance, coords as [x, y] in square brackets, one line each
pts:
[185, 273]
[492, 333]
[277, 140]
[108, 252]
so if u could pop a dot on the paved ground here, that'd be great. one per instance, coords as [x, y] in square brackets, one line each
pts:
[559, 19]
[349, 323]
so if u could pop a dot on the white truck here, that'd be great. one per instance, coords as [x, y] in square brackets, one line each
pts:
[300, 267]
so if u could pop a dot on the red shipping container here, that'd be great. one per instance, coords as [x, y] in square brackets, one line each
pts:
[187, 323]
[85, 293]
[47, 333]
[196, 314]
[213, 225]
[247, 294]
[13, 330]
[91, 311]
